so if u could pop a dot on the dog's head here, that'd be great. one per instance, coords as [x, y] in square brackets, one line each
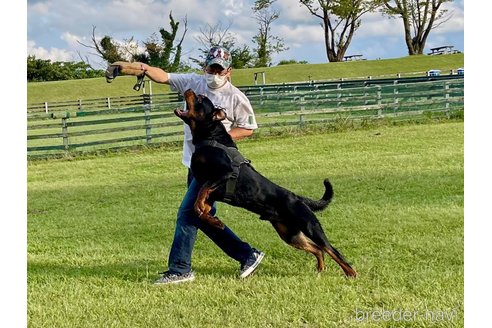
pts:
[200, 112]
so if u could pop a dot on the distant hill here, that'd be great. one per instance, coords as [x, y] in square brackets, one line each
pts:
[98, 88]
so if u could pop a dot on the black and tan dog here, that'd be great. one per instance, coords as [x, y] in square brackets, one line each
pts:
[227, 177]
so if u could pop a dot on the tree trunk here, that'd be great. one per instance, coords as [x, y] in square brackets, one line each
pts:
[336, 52]
[421, 19]
[408, 37]
[345, 18]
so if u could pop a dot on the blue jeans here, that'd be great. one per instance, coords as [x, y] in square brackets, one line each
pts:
[187, 225]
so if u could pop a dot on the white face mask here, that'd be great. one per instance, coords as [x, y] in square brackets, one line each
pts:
[215, 81]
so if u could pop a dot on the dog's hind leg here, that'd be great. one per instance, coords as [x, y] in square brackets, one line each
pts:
[203, 206]
[332, 251]
[295, 238]
[311, 227]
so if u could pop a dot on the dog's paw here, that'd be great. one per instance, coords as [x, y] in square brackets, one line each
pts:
[198, 211]
[351, 273]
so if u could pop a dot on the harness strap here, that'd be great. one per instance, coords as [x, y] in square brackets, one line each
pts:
[237, 160]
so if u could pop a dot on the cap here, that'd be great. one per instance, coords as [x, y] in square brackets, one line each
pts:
[220, 56]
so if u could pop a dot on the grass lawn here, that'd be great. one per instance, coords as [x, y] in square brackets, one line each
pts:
[100, 228]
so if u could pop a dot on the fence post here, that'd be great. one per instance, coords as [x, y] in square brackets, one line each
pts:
[301, 120]
[108, 102]
[46, 107]
[150, 93]
[339, 95]
[65, 131]
[366, 94]
[80, 104]
[301, 116]
[446, 97]
[395, 96]
[378, 99]
[148, 127]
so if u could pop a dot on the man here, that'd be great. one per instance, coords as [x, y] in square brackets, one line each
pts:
[240, 123]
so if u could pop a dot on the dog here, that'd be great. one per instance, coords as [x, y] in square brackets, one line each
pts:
[227, 177]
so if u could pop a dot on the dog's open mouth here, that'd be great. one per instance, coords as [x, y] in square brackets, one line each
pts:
[190, 98]
[179, 112]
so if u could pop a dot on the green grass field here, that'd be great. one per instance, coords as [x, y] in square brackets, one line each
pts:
[100, 228]
[98, 88]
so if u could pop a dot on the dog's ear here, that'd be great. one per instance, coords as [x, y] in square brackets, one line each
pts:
[219, 114]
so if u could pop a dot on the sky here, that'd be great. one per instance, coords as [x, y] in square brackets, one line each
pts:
[55, 27]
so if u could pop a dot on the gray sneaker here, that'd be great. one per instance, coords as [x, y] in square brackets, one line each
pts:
[174, 278]
[251, 263]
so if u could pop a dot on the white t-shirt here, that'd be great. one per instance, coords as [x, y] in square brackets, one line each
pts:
[239, 112]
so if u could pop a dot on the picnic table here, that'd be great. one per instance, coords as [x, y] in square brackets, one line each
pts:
[443, 50]
[352, 57]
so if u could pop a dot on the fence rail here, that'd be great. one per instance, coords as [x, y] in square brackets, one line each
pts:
[101, 103]
[148, 119]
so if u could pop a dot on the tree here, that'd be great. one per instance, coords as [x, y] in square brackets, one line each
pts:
[340, 20]
[106, 48]
[419, 18]
[219, 35]
[44, 70]
[35, 68]
[290, 62]
[165, 53]
[267, 44]
[242, 57]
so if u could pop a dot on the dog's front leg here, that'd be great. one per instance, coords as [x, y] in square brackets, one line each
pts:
[203, 208]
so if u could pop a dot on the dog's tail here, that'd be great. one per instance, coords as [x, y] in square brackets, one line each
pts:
[318, 205]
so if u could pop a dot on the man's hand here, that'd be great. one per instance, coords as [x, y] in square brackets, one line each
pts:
[123, 68]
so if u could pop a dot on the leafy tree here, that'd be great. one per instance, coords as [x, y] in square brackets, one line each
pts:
[419, 18]
[340, 20]
[241, 57]
[267, 44]
[164, 53]
[106, 48]
[36, 68]
[167, 54]
[44, 70]
[291, 61]
[219, 35]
